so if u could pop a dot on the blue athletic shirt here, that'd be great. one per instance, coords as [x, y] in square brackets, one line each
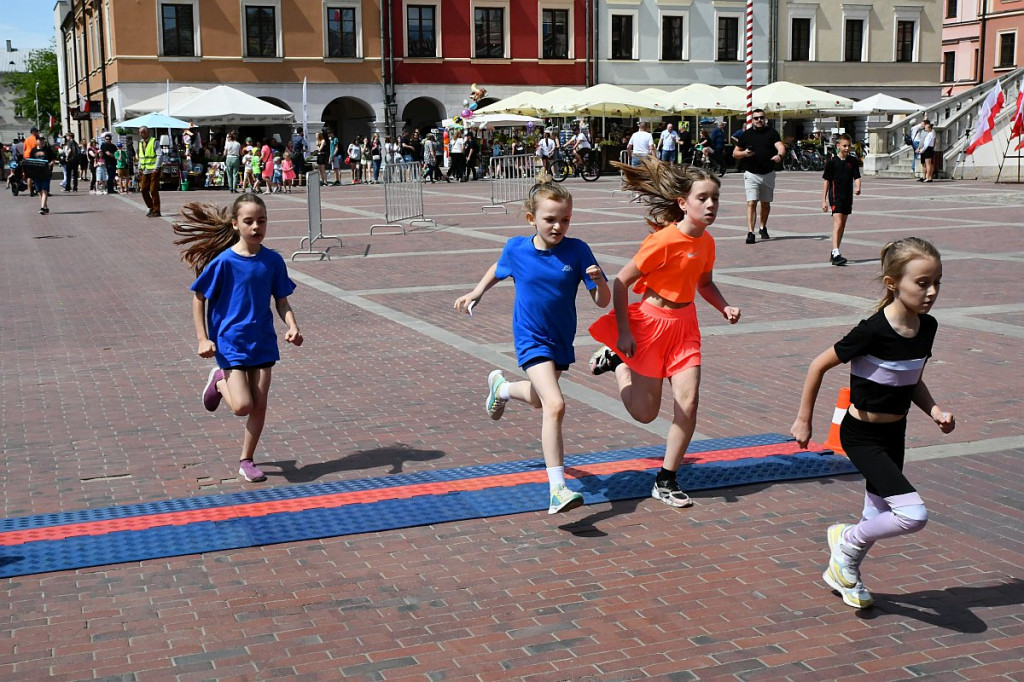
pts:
[239, 317]
[544, 315]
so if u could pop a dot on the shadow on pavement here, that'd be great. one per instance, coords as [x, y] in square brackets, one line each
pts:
[394, 456]
[951, 608]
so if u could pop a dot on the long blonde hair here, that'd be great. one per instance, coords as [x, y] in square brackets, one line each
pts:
[895, 256]
[208, 229]
[660, 186]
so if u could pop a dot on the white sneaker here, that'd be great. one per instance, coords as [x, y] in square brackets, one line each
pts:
[844, 558]
[857, 596]
[563, 500]
[495, 406]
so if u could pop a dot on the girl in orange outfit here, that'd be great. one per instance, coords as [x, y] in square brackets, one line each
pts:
[658, 338]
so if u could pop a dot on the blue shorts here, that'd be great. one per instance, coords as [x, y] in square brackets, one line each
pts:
[533, 362]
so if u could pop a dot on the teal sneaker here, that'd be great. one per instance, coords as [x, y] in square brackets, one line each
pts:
[495, 406]
[563, 500]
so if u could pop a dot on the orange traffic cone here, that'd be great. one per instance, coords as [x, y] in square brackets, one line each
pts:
[842, 405]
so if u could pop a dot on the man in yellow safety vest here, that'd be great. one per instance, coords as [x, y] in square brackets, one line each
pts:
[149, 172]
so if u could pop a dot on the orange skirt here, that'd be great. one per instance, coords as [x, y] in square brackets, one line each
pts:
[667, 339]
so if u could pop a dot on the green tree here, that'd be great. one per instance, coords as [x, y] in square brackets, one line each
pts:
[42, 69]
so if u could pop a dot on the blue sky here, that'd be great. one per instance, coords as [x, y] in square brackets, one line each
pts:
[28, 24]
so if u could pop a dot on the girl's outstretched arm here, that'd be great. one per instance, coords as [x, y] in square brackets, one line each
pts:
[602, 294]
[922, 397]
[466, 302]
[801, 429]
[207, 348]
[710, 293]
[284, 309]
[620, 302]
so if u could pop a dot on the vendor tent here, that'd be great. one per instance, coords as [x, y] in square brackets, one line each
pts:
[159, 102]
[224, 105]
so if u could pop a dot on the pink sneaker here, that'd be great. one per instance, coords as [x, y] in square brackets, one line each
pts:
[248, 471]
[211, 396]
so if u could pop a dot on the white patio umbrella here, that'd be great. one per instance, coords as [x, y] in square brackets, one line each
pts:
[699, 99]
[502, 120]
[877, 104]
[783, 97]
[547, 103]
[522, 103]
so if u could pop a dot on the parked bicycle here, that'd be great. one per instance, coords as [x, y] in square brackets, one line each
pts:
[562, 166]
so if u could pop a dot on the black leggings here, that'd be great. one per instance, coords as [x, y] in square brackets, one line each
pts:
[877, 450]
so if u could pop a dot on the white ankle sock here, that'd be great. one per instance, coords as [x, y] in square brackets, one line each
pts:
[503, 391]
[556, 477]
[835, 252]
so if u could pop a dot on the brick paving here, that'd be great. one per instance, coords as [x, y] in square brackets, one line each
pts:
[101, 407]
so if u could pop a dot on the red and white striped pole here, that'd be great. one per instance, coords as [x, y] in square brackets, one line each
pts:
[750, 62]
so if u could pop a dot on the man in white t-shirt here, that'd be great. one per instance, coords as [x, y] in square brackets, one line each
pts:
[580, 145]
[640, 144]
[667, 144]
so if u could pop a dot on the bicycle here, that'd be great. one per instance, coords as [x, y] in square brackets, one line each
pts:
[794, 160]
[562, 166]
[709, 162]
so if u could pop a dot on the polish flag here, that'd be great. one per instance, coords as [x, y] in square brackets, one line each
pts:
[991, 107]
[1017, 127]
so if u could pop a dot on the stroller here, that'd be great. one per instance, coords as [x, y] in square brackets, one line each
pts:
[16, 178]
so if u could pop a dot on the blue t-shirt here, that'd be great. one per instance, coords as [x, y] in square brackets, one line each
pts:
[239, 317]
[544, 315]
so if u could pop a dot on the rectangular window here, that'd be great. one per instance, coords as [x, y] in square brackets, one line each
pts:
[948, 67]
[672, 38]
[622, 36]
[951, 9]
[555, 27]
[341, 32]
[177, 27]
[854, 51]
[904, 41]
[801, 40]
[260, 31]
[1007, 50]
[490, 32]
[728, 39]
[422, 31]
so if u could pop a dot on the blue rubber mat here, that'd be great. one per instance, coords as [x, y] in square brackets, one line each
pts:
[252, 518]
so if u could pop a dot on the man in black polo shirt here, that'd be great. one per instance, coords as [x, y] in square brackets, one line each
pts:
[758, 149]
[108, 150]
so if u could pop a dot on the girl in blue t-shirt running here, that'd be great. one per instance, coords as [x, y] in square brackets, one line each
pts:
[547, 267]
[237, 277]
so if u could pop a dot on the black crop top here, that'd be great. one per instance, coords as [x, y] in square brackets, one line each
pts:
[884, 366]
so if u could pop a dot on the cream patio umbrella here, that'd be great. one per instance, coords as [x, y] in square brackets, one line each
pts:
[552, 101]
[522, 103]
[606, 100]
[159, 102]
[878, 104]
[699, 99]
[783, 97]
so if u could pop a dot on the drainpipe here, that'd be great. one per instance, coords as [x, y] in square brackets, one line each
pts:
[103, 65]
[596, 45]
[588, 8]
[980, 76]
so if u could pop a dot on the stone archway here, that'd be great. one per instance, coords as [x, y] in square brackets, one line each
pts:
[422, 114]
[347, 117]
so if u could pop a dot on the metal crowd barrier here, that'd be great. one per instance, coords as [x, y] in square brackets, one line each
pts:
[403, 195]
[624, 157]
[314, 221]
[511, 178]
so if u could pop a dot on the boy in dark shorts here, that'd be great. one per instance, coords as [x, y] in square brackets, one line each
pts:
[842, 183]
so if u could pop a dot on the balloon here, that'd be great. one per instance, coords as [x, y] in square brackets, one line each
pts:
[465, 102]
[466, 113]
[529, 126]
[473, 106]
[457, 120]
[447, 137]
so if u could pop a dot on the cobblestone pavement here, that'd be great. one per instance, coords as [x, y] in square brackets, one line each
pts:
[101, 407]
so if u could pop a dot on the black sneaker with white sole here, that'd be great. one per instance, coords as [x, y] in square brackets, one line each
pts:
[671, 494]
[604, 360]
[838, 259]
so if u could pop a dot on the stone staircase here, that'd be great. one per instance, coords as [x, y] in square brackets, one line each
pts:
[954, 119]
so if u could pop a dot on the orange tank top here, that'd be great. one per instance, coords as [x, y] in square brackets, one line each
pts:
[673, 263]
